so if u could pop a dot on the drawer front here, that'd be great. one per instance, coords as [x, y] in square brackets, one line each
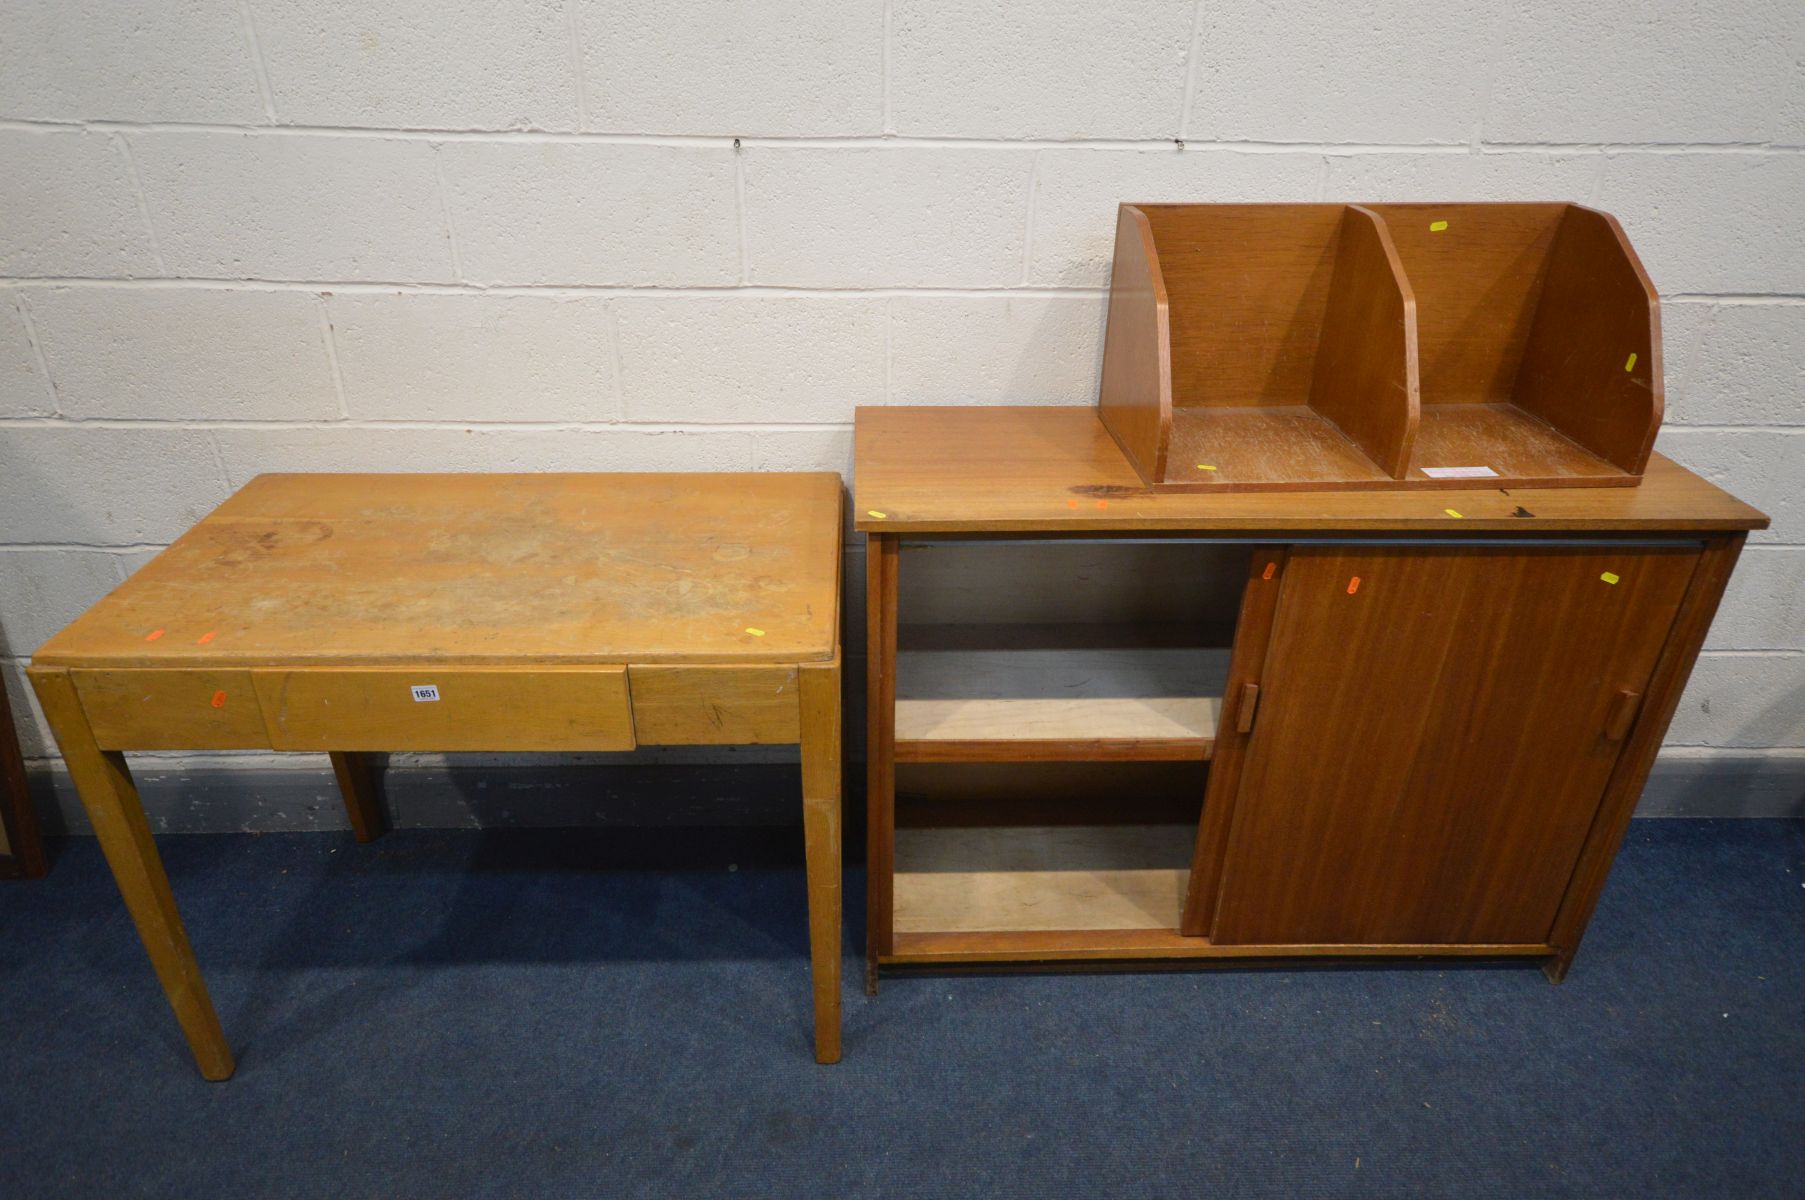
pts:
[705, 706]
[431, 708]
[171, 709]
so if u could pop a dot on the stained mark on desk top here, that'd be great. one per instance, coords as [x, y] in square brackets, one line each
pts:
[248, 544]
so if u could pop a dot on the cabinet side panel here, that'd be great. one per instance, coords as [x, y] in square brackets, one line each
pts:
[1662, 698]
[880, 748]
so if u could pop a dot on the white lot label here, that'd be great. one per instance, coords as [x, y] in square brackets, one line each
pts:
[425, 691]
[1460, 472]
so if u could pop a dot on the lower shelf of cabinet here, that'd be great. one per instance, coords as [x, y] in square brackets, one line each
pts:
[1041, 877]
[1055, 893]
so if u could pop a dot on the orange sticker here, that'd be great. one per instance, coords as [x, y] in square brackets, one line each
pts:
[1102, 504]
[206, 637]
[1071, 504]
[154, 634]
[219, 699]
[1270, 568]
[1353, 585]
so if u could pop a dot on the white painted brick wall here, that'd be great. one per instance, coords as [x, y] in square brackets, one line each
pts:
[1681, 73]
[1331, 71]
[475, 357]
[105, 485]
[1746, 366]
[996, 349]
[806, 68]
[810, 359]
[592, 213]
[291, 206]
[175, 354]
[24, 390]
[1076, 192]
[858, 217]
[251, 235]
[127, 60]
[400, 64]
[1074, 68]
[67, 206]
[1462, 176]
[42, 590]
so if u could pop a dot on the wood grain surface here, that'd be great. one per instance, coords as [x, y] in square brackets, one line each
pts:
[306, 570]
[1434, 738]
[1035, 469]
[1135, 401]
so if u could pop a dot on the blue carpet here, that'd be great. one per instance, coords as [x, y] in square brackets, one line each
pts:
[450, 1014]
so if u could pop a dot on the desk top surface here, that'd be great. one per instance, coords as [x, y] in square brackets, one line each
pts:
[486, 570]
[1019, 470]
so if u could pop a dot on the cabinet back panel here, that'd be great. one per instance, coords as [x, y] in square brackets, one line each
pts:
[1073, 583]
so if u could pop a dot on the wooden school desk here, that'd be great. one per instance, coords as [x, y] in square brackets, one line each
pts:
[361, 613]
[1404, 723]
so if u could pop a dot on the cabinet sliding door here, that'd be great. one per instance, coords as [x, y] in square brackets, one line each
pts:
[1434, 731]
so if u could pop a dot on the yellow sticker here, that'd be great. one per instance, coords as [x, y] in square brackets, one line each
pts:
[1631, 364]
[1450, 512]
[1205, 467]
[1609, 577]
[872, 512]
[1437, 226]
[755, 632]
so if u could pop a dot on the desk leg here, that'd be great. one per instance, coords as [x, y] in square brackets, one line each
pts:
[821, 832]
[23, 856]
[105, 786]
[357, 783]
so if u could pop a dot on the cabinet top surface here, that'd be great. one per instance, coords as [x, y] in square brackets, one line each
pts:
[485, 569]
[1057, 470]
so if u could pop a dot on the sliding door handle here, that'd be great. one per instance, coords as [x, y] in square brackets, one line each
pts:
[1622, 715]
[1244, 707]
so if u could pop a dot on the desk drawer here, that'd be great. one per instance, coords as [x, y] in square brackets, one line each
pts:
[431, 708]
[715, 705]
[156, 709]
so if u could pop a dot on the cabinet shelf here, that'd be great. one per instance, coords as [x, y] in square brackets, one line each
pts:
[1114, 704]
[1045, 894]
[1039, 878]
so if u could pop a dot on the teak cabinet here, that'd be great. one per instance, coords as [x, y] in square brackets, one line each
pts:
[1112, 722]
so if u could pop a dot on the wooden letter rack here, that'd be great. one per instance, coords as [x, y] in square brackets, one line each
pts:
[1291, 347]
